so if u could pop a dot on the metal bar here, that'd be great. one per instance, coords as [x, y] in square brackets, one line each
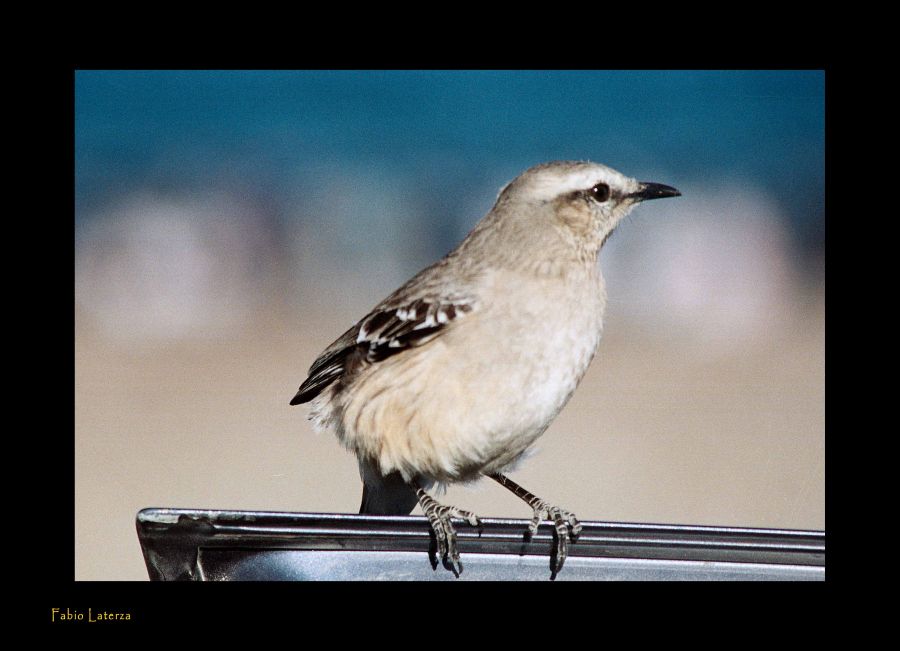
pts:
[187, 544]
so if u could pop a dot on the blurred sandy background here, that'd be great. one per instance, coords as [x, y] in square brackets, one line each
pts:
[231, 225]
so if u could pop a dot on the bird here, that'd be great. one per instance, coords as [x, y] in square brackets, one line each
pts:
[455, 375]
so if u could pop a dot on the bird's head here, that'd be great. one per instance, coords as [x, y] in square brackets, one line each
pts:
[583, 201]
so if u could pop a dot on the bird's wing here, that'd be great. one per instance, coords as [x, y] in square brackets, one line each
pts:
[386, 331]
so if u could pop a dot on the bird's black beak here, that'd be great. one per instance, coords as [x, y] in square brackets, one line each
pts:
[649, 191]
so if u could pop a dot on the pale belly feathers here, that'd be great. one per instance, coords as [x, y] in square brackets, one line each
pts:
[476, 398]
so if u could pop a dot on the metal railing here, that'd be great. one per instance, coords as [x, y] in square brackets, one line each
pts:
[185, 544]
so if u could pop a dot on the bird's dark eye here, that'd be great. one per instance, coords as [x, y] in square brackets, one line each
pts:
[600, 192]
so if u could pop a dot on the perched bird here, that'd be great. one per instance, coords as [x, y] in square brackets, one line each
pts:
[457, 373]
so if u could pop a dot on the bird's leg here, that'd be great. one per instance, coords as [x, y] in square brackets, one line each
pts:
[562, 519]
[439, 517]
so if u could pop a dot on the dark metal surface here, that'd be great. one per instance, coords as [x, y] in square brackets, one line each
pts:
[185, 544]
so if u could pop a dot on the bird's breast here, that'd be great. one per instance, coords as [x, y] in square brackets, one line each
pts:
[475, 398]
[537, 339]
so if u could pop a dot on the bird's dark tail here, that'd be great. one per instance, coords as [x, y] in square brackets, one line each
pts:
[387, 495]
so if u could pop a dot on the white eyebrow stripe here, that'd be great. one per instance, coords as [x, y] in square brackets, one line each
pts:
[552, 187]
[548, 187]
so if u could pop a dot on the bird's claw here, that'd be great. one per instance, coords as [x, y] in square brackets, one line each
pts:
[562, 521]
[439, 517]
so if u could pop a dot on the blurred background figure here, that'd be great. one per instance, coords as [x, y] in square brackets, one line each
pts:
[224, 218]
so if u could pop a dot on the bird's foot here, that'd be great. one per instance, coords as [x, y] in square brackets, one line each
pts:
[439, 516]
[562, 520]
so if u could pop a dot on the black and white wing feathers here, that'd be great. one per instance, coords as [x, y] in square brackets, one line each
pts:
[385, 332]
[388, 332]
